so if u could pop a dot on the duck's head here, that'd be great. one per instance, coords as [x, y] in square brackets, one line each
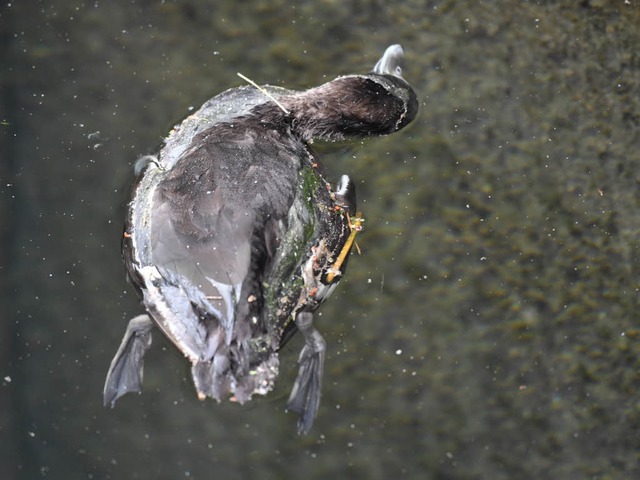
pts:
[378, 103]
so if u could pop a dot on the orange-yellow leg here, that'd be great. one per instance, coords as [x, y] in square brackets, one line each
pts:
[356, 225]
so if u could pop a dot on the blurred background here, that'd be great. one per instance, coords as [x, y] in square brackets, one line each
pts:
[488, 330]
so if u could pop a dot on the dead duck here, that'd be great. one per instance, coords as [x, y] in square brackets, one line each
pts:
[234, 236]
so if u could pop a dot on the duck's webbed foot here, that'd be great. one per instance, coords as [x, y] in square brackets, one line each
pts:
[305, 395]
[125, 372]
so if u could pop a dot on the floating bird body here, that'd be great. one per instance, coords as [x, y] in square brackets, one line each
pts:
[234, 236]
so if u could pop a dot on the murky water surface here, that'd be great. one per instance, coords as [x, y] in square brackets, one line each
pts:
[488, 330]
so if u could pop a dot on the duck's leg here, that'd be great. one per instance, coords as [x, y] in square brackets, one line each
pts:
[305, 395]
[355, 224]
[125, 372]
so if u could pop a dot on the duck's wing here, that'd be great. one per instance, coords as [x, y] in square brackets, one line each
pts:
[203, 241]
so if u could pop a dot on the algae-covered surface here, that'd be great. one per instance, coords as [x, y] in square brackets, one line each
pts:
[488, 330]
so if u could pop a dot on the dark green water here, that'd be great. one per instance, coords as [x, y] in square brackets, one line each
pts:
[490, 327]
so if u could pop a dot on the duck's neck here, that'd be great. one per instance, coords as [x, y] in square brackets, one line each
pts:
[351, 106]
